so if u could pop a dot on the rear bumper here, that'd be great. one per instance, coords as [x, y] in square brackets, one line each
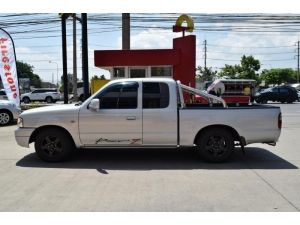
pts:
[22, 136]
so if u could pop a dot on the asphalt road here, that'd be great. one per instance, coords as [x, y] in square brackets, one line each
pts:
[265, 179]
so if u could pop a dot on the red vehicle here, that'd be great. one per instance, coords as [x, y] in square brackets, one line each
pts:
[233, 91]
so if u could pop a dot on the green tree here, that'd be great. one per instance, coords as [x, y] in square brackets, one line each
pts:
[247, 69]
[26, 71]
[278, 76]
[205, 74]
[95, 77]
[70, 83]
[230, 71]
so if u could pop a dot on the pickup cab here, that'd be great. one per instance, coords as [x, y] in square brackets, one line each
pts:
[147, 112]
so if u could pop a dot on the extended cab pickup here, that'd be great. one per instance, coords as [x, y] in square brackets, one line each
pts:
[147, 112]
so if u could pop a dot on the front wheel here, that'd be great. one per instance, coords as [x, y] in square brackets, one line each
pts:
[5, 117]
[264, 101]
[215, 145]
[53, 145]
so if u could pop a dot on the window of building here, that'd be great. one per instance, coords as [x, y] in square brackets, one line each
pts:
[119, 96]
[155, 95]
[137, 72]
[119, 72]
[165, 71]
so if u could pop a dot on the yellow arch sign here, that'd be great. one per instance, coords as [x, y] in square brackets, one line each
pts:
[188, 20]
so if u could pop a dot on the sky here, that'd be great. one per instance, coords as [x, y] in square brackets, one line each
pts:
[40, 45]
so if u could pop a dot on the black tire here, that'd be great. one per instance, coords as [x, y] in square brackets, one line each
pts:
[53, 145]
[81, 98]
[5, 117]
[26, 100]
[264, 101]
[215, 145]
[282, 102]
[49, 99]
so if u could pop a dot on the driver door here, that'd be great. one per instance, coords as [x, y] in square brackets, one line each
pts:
[118, 122]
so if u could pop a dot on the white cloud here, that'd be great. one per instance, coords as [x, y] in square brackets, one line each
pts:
[262, 46]
[151, 39]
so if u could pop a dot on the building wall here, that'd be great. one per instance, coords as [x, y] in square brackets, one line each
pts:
[185, 71]
[182, 58]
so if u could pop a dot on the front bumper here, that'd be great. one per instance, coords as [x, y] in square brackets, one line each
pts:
[16, 112]
[22, 136]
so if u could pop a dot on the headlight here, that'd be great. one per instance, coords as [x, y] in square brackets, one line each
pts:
[20, 122]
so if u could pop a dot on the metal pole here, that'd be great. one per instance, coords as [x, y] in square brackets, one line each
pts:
[126, 31]
[64, 56]
[298, 73]
[56, 71]
[205, 54]
[74, 60]
[85, 66]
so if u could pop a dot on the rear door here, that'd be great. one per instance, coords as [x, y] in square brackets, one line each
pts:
[284, 94]
[159, 114]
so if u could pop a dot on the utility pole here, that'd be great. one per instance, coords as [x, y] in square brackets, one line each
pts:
[205, 56]
[85, 65]
[298, 73]
[125, 31]
[74, 60]
[205, 53]
[64, 56]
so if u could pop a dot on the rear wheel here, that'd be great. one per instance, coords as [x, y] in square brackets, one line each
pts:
[5, 117]
[26, 100]
[49, 99]
[53, 145]
[215, 145]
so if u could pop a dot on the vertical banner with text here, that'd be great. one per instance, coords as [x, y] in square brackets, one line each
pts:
[8, 70]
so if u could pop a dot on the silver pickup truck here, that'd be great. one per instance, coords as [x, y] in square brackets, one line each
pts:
[147, 112]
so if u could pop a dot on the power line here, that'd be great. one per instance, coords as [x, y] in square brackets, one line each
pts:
[219, 59]
[232, 46]
[253, 53]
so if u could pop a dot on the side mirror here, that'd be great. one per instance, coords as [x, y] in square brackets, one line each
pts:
[94, 105]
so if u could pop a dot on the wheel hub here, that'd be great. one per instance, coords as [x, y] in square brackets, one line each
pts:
[52, 145]
[216, 145]
[4, 118]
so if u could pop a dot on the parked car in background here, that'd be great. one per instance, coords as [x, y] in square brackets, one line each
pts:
[277, 94]
[298, 92]
[3, 95]
[47, 95]
[8, 112]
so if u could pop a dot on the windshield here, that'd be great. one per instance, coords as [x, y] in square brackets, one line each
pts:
[266, 90]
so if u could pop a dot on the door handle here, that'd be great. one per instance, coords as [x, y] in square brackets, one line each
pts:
[131, 118]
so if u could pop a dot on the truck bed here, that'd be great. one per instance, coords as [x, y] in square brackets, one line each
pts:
[230, 105]
[255, 123]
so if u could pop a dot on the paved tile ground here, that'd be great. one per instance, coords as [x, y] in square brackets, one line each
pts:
[265, 179]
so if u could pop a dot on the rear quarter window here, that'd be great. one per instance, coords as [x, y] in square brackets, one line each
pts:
[155, 95]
